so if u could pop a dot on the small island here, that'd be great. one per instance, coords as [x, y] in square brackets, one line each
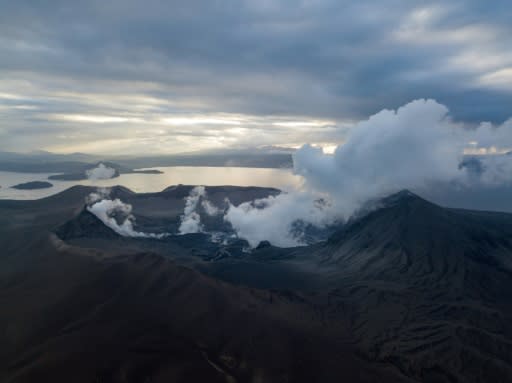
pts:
[68, 177]
[82, 176]
[147, 171]
[33, 185]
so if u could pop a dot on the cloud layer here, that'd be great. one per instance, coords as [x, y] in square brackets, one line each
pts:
[179, 76]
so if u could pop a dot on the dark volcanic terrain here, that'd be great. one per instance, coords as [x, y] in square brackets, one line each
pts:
[410, 292]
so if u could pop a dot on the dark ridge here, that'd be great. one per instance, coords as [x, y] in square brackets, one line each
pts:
[67, 177]
[33, 185]
[85, 225]
[263, 245]
[401, 197]
[120, 192]
[412, 240]
[178, 191]
[182, 189]
[403, 205]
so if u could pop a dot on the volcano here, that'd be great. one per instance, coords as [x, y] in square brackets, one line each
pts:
[428, 286]
[411, 239]
[408, 291]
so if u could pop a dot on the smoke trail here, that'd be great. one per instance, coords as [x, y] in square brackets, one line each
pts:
[98, 195]
[116, 215]
[101, 172]
[191, 220]
[209, 208]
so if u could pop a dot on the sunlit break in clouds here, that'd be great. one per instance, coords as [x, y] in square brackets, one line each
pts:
[171, 77]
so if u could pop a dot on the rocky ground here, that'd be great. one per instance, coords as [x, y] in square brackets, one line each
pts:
[410, 291]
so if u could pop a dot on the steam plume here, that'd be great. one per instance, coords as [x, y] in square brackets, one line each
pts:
[413, 147]
[101, 172]
[191, 220]
[116, 214]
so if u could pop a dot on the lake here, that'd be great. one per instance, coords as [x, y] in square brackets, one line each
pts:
[283, 179]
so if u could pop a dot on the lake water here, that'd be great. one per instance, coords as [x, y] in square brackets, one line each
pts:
[282, 179]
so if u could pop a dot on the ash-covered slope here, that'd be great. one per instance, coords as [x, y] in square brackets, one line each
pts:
[410, 291]
[85, 225]
[429, 287]
[83, 315]
[408, 238]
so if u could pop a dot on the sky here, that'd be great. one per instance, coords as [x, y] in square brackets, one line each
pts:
[133, 77]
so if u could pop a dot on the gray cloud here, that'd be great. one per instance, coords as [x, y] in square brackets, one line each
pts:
[335, 61]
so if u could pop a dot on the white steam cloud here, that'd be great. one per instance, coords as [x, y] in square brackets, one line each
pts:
[98, 195]
[209, 208]
[101, 172]
[191, 220]
[497, 170]
[271, 218]
[392, 150]
[116, 215]
[413, 147]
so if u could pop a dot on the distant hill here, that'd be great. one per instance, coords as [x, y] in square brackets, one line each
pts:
[73, 164]
[33, 185]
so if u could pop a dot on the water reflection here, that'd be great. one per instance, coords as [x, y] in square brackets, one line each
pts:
[282, 179]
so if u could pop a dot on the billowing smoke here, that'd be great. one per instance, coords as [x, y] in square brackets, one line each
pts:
[492, 146]
[101, 172]
[272, 218]
[191, 220]
[392, 150]
[412, 147]
[116, 214]
[98, 195]
[492, 139]
[209, 208]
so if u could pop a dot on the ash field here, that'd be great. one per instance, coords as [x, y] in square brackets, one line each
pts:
[161, 289]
